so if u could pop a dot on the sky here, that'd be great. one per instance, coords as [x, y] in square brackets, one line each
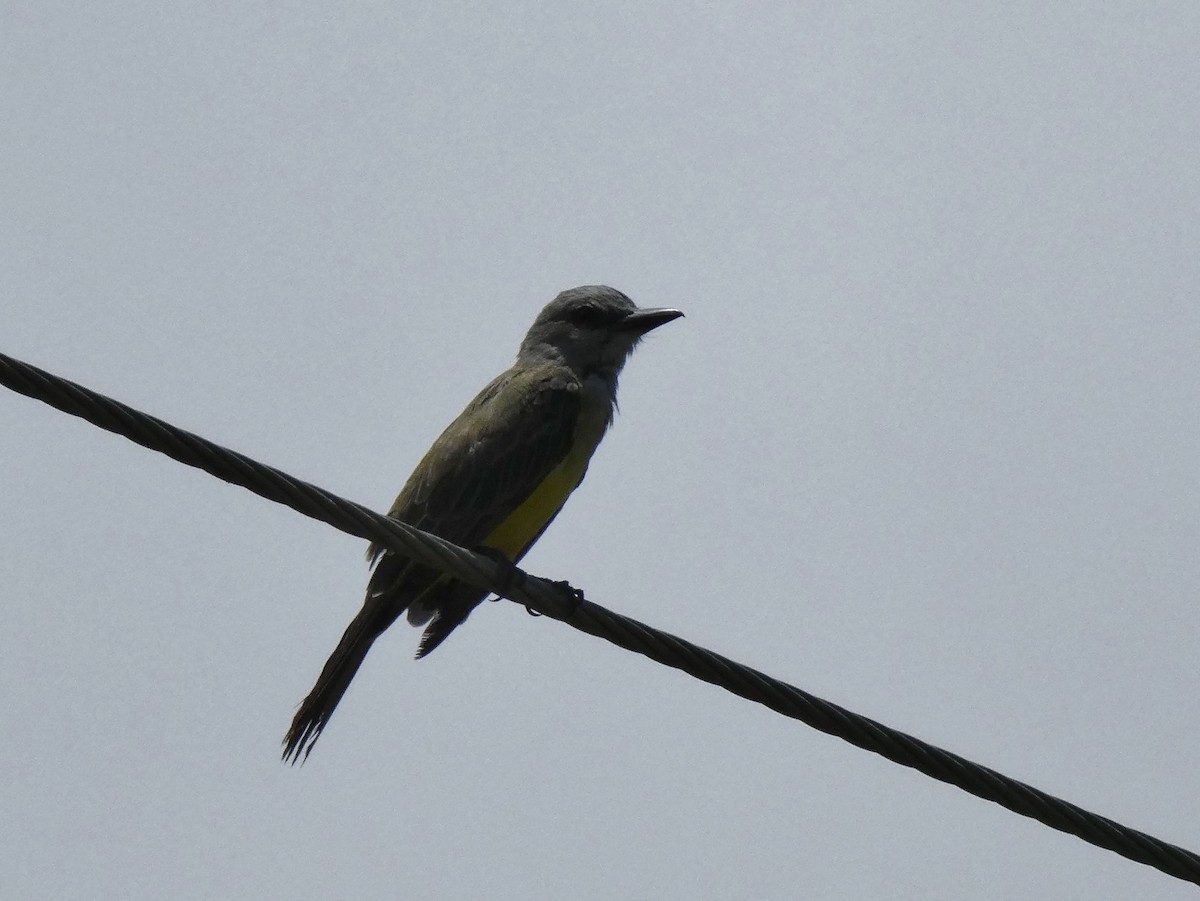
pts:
[926, 443]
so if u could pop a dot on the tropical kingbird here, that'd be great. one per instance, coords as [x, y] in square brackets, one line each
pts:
[495, 479]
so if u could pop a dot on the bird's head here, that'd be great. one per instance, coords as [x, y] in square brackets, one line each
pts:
[592, 329]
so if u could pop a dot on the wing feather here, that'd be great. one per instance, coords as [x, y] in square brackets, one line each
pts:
[481, 468]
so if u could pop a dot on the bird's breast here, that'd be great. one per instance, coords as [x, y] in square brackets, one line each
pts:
[514, 536]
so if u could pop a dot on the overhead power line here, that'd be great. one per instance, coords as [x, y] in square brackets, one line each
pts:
[560, 601]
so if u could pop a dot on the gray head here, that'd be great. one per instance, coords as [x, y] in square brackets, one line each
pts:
[592, 329]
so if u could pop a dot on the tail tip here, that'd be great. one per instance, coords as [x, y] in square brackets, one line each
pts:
[299, 741]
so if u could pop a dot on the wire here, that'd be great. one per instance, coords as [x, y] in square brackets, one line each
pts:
[560, 601]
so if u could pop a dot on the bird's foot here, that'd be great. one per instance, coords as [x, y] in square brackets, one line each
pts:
[576, 594]
[511, 575]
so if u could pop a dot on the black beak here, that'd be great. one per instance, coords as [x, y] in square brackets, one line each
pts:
[641, 321]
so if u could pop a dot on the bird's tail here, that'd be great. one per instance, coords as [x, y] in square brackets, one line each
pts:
[316, 709]
[445, 621]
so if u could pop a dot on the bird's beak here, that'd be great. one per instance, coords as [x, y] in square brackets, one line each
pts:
[641, 321]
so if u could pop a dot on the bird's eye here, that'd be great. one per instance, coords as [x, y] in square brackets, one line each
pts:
[587, 314]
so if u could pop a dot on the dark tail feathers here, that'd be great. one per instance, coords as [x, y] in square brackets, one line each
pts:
[316, 709]
[445, 621]
[451, 608]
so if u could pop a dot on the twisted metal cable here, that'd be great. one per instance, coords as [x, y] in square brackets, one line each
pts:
[560, 601]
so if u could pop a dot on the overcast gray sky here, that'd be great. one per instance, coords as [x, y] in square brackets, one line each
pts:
[926, 443]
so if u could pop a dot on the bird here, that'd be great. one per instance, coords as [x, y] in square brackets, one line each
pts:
[494, 480]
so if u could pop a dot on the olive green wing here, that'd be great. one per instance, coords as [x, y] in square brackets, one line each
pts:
[485, 464]
[492, 457]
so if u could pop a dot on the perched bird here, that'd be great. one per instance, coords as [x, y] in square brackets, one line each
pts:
[494, 479]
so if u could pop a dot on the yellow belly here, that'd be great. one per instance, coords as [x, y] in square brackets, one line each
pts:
[513, 536]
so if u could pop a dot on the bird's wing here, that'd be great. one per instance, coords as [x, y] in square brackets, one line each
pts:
[492, 457]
